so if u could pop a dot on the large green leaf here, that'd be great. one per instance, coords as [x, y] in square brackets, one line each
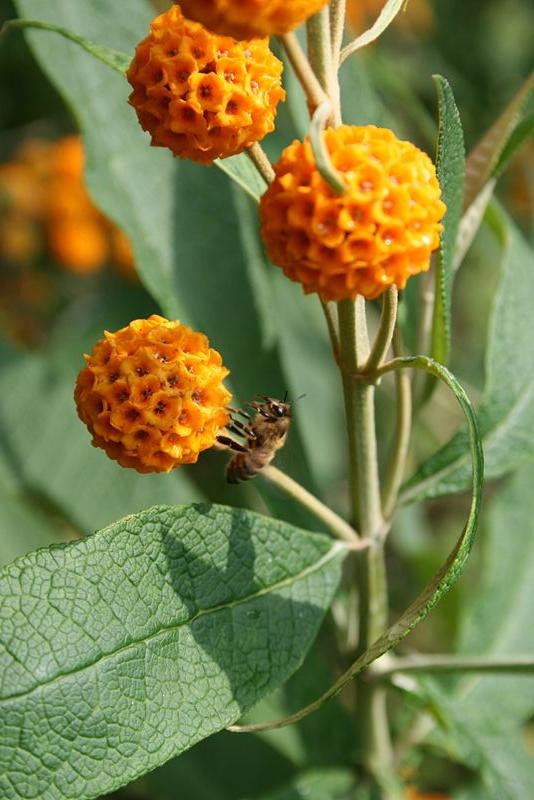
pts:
[124, 649]
[498, 619]
[506, 413]
[450, 165]
[182, 219]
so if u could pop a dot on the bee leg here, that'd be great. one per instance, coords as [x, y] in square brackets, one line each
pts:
[240, 429]
[238, 411]
[235, 446]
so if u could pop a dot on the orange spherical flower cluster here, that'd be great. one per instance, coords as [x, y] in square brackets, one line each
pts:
[47, 209]
[245, 19]
[201, 95]
[152, 394]
[381, 231]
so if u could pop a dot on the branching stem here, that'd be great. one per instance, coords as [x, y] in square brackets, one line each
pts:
[333, 522]
[313, 90]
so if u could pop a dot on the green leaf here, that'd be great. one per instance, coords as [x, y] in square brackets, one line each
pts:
[507, 409]
[241, 169]
[486, 161]
[222, 767]
[385, 18]
[123, 650]
[24, 525]
[332, 784]
[523, 131]
[477, 737]
[497, 620]
[450, 165]
[444, 578]
[112, 58]
[483, 159]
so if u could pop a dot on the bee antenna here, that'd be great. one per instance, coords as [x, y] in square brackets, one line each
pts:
[285, 396]
[301, 396]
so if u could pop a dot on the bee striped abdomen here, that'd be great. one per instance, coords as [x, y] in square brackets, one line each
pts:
[244, 466]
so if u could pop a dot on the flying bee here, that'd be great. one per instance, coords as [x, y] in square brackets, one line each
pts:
[264, 434]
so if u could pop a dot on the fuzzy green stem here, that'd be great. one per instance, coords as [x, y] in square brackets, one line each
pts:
[453, 663]
[366, 509]
[321, 59]
[388, 320]
[337, 24]
[259, 158]
[314, 91]
[401, 440]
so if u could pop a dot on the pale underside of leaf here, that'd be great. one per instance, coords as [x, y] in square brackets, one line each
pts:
[125, 649]
[385, 18]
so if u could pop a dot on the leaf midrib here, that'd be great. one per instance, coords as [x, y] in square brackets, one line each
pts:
[332, 553]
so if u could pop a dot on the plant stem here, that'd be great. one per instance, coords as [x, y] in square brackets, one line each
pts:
[257, 155]
[333, 522]
[446, 663]
[321, 60]
[365, 495]
[388, 320]
[401, 441]
[337, 25]
[315, 93]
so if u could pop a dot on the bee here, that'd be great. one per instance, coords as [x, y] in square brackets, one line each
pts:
[264, 434]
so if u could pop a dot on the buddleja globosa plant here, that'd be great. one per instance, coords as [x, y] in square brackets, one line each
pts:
[124, 649]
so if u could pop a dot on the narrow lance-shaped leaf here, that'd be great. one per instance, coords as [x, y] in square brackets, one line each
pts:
[451, 173]
[112, 58]
[124, 649]
[507, 409]
[445, 577]
[485, 163]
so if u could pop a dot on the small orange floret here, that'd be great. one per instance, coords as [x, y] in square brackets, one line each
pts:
[201, 95]
[245, 19]
[152, 394]
[380, 232]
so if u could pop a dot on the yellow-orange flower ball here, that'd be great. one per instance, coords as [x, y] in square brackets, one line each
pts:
[202, 95]
[381, 231]
[244, 19]
[152, 394]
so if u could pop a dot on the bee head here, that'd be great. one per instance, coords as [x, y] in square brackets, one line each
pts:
[272, 409]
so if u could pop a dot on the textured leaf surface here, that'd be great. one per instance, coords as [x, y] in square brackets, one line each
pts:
[450, 167]
[478, 738]
[506, 413]
[498, 619]
[122, 650]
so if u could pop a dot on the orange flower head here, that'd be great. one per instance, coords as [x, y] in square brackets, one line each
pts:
[378, 233]
[79, 244]
[245, 19]
[202, 95]
[152, 394]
